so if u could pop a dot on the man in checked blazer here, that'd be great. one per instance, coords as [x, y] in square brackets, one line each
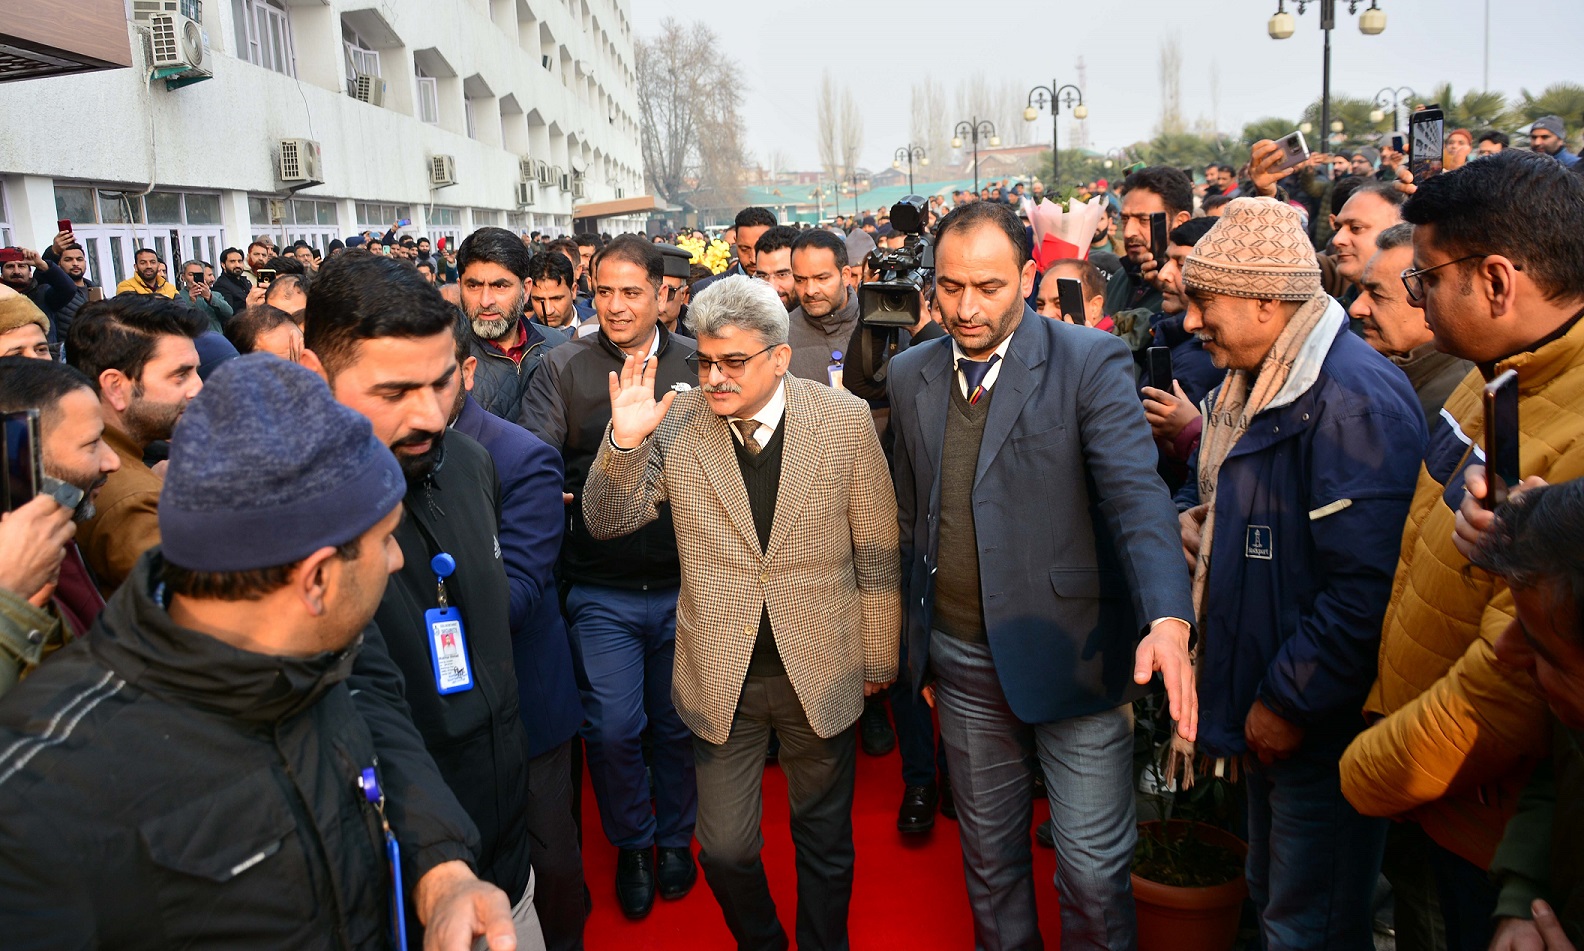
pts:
[789, 612]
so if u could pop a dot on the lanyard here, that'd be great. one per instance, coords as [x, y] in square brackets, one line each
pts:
[369, 784]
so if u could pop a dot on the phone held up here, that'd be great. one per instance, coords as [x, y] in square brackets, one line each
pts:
[1426, 140]
[1158, 238]
[266, 276]
[21, 458]
[1160, 368]
[1295, 151]
[1501, 438]
[1069, 296]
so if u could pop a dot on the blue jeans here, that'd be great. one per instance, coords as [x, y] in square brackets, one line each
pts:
[1312, 860]
[1088, 767]
[627, 640]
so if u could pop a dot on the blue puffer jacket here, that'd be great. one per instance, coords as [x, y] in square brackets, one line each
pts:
[1309, 518]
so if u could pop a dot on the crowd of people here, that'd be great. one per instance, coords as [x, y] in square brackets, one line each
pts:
[346, 567]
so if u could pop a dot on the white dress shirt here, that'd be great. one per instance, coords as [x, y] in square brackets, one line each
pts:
[995, 372]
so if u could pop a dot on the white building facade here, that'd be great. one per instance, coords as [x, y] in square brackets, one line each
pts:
[453, 114]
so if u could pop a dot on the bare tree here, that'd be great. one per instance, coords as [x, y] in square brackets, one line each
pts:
[1171, 119]
[852, 130]
[826, 119]
[691, 130]
[930, 122]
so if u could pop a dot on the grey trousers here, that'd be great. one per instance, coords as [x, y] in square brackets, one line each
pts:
[820, 775]
[529, 937]
[1088, 767]
[553, 849]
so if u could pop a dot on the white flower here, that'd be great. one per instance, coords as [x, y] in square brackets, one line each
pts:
[681, 387]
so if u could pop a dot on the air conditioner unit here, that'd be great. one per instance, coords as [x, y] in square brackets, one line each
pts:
[442, 170]
[177, 42]
[145, 10]
[369, 89]
[542, 173]
[579, 190]
[525, 194]
[558, 176]
[527, 169]
[299, 161]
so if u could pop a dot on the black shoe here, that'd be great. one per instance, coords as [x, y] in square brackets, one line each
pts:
[948, 805]
[677, 873]
[875, 728]
[635, 882]
[918, 809]
[1045, 835]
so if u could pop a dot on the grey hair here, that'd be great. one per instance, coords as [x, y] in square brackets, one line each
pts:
[1397, 236]
[741, 302]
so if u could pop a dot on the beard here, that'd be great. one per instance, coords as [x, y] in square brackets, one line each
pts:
[488, 327]
[147, 421]
[417, 467]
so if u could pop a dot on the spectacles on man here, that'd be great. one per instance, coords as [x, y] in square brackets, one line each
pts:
[1413, 283]
[731, 366]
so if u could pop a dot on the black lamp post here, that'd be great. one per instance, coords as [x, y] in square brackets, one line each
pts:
[1371, 23]
[908, 153]
[1398, 98]
[1071, 97]
[974, 128]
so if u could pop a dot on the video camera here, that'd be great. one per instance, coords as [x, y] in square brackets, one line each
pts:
[894, 299]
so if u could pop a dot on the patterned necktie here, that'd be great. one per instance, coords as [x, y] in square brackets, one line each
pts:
[747, 427]
[974, 374]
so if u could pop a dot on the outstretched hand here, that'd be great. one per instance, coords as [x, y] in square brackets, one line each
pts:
[635, 413]
[1165, 649]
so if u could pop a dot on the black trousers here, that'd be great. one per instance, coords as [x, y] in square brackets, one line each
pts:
[554, 853]
[819, 776]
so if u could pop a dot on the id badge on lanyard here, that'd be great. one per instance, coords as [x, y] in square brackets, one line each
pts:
[447, 639]
[834, 371]
[368, 783]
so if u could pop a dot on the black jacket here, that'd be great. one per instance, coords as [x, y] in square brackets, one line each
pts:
[568, 406]
[498, 383]
[234, 289]
[164, 789]
[475, 736]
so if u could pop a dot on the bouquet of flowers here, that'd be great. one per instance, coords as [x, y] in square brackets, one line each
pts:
[1059, 233]
[716, 255]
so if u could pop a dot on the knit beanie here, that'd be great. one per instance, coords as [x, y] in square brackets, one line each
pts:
[1258, 249]
[266, 468]
[19, 311]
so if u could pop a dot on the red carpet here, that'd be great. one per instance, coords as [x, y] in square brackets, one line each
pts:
[907, 890]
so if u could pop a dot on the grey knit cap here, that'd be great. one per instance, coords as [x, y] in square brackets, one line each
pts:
[266, 468]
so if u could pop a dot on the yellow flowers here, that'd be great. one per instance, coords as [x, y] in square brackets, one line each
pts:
[716, 255]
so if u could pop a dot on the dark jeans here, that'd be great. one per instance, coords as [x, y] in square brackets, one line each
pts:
[1416, 901]
[819, 774]
[923, 757]
[1468, 900]
[1088, 766]
[557, 860]
[628, 642]
[1313, 860]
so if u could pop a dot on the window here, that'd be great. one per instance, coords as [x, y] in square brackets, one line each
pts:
[467, 118]
[263, 34]
[361, 59]
[300, 219]
[486, 218]
[5, 220]
[381, 215]
[428, 98]
[111, 223]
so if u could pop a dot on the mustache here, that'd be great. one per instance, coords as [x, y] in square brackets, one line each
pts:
[415, 438]
[720, 388]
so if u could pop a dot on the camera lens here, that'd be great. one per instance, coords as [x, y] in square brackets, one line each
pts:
[893, 301]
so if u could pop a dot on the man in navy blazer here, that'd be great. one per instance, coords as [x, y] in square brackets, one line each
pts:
[1043, 578]
[532, 519]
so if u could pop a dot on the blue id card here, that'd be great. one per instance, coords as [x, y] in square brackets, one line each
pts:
[448, 650]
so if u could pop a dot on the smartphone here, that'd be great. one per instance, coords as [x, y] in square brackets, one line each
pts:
[63, 224]
[9, 255]
[1069, 295]
[1158, 238]
[95, 293]
[21, 459]
[1160, 368]
[404, 222]
[265, 276]
[1426, 140]
[1295, 151]
[1399, 142]
[1501, 438]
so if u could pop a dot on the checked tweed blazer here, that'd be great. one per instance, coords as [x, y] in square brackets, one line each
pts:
[830, 576]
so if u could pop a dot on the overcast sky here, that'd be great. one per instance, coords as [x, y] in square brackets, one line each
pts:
[882, 48]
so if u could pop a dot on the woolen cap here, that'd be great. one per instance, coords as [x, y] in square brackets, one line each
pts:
[1258, 249]
[1552, 124]
[19, 311]
[266, 468]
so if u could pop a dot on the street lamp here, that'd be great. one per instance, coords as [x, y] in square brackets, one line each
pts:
[1398, 98]
[974, 128]
[1372, 22]
[908, 153]
[1071, 97]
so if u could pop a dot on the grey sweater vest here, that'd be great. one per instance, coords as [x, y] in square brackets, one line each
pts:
[958, 611]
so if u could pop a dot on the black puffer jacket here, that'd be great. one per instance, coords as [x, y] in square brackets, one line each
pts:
[498, 383]
[164, 789]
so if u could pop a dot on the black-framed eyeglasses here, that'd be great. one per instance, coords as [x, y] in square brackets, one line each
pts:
[731, 366]
[1413, 283]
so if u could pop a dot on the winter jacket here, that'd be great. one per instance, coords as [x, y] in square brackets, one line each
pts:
[1309, 512]
[499, 382]
[29, 634]
[474, 735]
[818, 342]
[135, 285]
[51, 290]
[1433, 375]
[1538, 856]
[234, 289]
[1191, 365]
[532, 523]
[217, 310]
[61, 318]
[126, 522]
[1461, 731]
[567, 405]
[164, 789]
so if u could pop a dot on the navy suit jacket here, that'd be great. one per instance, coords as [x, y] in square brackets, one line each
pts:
[533, 519]
[1078, 541]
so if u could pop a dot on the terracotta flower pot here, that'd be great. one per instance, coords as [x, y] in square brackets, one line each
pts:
[1173, 918]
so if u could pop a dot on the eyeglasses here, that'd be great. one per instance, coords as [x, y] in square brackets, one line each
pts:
[1413, 283]
[731, 366]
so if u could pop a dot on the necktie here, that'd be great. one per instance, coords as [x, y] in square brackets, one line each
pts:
[747, 427]
[974, 374]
